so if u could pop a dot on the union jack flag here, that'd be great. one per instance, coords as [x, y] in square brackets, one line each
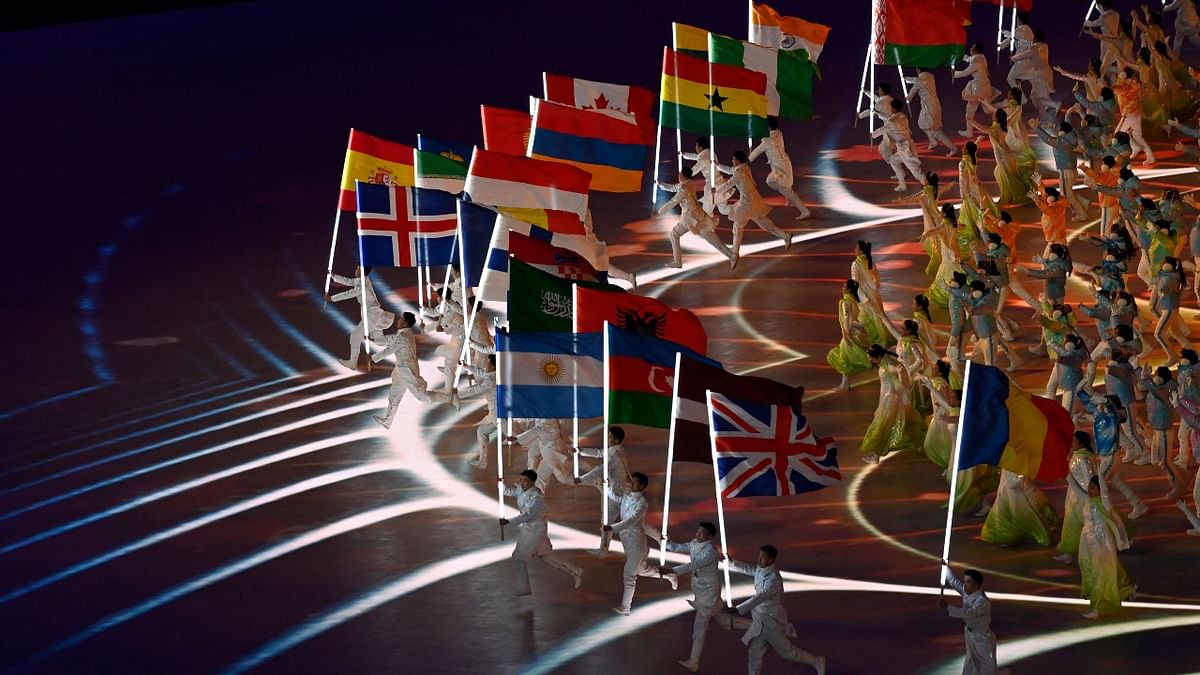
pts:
[765, 450]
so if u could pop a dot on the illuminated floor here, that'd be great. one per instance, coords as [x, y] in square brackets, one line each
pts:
[206, 491]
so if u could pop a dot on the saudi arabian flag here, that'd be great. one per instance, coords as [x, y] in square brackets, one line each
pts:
[441, 166]
[789, 73]
[539, 302]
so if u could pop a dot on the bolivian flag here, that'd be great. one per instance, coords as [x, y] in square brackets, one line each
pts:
[712, 99]
[1004, 426]
[374, 160]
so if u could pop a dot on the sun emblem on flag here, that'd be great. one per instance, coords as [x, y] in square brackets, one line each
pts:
[550, 369]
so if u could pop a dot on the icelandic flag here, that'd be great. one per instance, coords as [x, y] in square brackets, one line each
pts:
[493, 286]
[475, 226]
[765, 450]
[550, 375]
[405, 227]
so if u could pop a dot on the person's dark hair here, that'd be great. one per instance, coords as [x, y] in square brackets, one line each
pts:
[702, 141]
[772, 122]
[1147, 203]
[1016, 94]
[1124, 331]
[1006, 216]
[617, 433]
[1122, 137]
[970, 149]
[950, 214]
[923, 305]
[960, 278]
[1109, 161]
[911, 327]
[943, 368]
[491, 359]
[1052, 192]
[1128, 297]
[897, 105]
[1039, 36]
[976, 575]
[877, 351]
[530, 474]
[1066, 127]
[977, 46]
[686, 172]
[884, 87]
[1094, 482]
[864, 247]
[770, 550]
[740, 155]
[852, 288]
[1190, 355]
[1002, 119]
[1090, 120]
[1144, 55]
[978, 285]
[1084, 439]
[409, 318]
[1131, 74]
[709, 528]
[1095, 66]
[640, 478]
[995, 238]
[1161, 48]
[1064, 253]
[1106, 93]
[932, 180]
[1163, 372]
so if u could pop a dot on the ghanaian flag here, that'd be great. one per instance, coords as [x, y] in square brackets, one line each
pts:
[712, 99]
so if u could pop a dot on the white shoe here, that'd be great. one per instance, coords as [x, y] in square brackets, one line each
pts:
[454, 401]
[690, 667]
[578, 579]
[1091, 615]
[382, 421]
[804, 213]
[1150, 162]
[1195, 532]
[1138, 511]
[674, 265]
[673, 579]
[820, 665]
[599, 553]
[623, 611]
[523, 593]
[1065, 558]
[477, 463]
[787, 243]
[348, 363]
[900, 188]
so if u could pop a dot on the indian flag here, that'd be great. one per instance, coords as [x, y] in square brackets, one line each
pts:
[919, 33]
[770, 29]
[712, 99]
[789, 74]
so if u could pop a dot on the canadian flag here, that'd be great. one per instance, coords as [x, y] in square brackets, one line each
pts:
[622, 99]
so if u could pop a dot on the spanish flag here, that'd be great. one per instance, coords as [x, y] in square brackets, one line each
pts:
[1004, 426]
[712, 99]
[374, 160]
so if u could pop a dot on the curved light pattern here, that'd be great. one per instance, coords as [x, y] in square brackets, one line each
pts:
[1013, 651]
[304, 402]
[835, 196]
[260, 349]
[321, 355]
[209, 518]
[291, 545]
[168, 425]
[207, 478]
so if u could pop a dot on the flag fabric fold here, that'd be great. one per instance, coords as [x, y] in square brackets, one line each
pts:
[604, 96]
[608, 147]
[500, 179]
[764, 450]
[639, 314]
[550, 375]
[640, 373]
[539, 302]
[373, 160]
[712, 99]
[690, 438]
[771, 29]
[405, 227]
[1004, 426]
[476, 226]
[441, 166]
[789, 74]
[919, 33]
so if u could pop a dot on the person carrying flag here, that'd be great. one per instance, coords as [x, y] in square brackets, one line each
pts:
[631, 511]
[532, 541]
[692, 218]
[360, 289]
[976, 613]
[406, 374]
[706, 584]
[780, 179]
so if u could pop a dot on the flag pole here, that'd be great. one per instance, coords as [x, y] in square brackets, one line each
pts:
[1000, 30]
[575, 388]
[604, 431]
[469, 313]
[712, 441]
[501, 363]
[662, 544]
[337, 221]
[954, 473]
[362, 304]
[657, 158]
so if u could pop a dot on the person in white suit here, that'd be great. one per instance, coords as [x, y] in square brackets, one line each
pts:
[692, 218]
[532, 540]
[379, 318]
[750, 205]
[904, 153]
[485, 386]
[930, 118]
[406, 374]
[976, 613]
[780, 179]
[703, 557]
[630, 527]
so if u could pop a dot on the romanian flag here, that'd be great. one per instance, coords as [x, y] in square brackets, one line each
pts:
[712, 99]
[608, 147]
[1004, 426]
[922, 33]
[505, 130]
[771, 29]
[374, 160]
[640, 371]
[640, 315]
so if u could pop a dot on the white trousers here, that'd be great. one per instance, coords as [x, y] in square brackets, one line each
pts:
[532, 542]
[773, 634]
[981, 653]
[1132, 125]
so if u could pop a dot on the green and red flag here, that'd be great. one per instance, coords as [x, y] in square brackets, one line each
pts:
[922, 33]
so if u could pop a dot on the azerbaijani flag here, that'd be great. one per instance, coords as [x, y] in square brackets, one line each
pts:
[374, 160]
[919, 33]
[441, 166]
[771, 29]
[712, 99]
[640, 370]
[1004, 426]
[607, 146]
[789, 74]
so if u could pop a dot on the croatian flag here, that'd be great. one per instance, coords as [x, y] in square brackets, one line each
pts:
[493, 287]
[765, 450]
[406, 227]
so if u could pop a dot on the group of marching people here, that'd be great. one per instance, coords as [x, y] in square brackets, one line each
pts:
[1150, 397]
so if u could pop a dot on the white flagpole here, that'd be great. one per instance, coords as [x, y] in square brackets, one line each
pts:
[337, 221]
[657, 160]
[712, 440]
[1012, 27]
[662, 544]
[954, 473]
[469, 313]
[999, 30]
[420, 287]
[575, 389]
[604, 433]
[501, 364]
[362, 305]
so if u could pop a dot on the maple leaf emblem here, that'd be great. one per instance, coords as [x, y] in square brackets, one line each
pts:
[601, 103]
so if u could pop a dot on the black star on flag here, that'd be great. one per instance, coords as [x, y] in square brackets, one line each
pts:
[716, 100]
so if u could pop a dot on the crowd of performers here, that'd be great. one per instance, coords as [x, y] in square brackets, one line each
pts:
[1146, 248]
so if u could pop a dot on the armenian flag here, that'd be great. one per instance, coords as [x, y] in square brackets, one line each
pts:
[374, 160]
[1004, 426]
[608, 147]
